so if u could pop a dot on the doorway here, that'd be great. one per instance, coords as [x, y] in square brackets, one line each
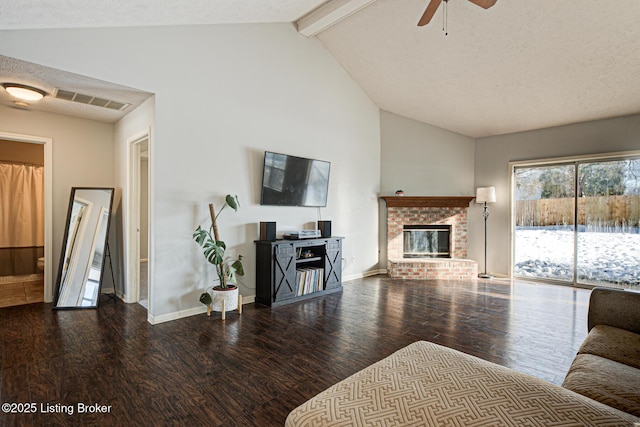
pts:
[139, 220]
[577, 222]
[25, 223]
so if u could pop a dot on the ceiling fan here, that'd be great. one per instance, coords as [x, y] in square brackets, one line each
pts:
[433, 6]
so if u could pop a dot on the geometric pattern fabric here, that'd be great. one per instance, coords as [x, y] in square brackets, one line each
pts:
[425, 384]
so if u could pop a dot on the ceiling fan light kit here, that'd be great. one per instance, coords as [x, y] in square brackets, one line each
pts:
[433, 5]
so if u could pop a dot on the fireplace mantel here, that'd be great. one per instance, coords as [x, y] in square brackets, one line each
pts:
[428, 201]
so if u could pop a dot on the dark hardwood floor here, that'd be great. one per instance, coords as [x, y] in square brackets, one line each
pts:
[251, 370]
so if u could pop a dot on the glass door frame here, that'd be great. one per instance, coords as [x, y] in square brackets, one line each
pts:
[575, 160]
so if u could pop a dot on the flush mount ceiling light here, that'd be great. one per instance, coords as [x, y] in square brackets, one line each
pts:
[24, 92]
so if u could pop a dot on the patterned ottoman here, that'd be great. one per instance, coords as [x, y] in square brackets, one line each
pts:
[425, 384]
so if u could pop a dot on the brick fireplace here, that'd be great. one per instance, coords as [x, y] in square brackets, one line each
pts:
[407, 212]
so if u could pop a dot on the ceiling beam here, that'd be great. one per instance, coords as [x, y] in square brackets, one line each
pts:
[328, 14]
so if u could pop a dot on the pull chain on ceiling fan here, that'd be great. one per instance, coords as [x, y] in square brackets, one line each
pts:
[434, 4]
[445, 17]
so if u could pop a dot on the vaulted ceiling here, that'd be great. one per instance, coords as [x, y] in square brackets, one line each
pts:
[517, 66]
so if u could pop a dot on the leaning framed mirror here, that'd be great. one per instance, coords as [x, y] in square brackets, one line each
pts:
[84, 248]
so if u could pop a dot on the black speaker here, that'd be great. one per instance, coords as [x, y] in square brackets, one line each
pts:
[325, 228]
[268, 231]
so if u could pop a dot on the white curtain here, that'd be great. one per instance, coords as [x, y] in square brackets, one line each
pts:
[21, 205]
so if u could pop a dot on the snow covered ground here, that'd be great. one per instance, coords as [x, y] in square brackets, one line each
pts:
[603, 258]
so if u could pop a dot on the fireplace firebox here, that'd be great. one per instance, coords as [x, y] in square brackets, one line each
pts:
[426, 241]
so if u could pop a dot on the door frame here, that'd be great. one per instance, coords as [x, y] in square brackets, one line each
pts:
[48, 203]
[132, 247]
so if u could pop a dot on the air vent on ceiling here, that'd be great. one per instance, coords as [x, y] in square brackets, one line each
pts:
[90, 100]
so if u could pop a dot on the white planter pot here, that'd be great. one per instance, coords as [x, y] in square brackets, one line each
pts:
[224, 300]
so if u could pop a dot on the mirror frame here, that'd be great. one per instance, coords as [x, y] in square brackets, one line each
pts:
[95, 243]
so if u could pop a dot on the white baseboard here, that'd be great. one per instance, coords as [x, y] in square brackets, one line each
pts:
[364, 274]
[249, 299]
[155, 320]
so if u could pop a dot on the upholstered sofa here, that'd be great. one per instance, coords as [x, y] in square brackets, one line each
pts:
[607, 366]
[425, 384]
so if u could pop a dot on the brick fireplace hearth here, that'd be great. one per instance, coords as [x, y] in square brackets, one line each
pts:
[411, 211]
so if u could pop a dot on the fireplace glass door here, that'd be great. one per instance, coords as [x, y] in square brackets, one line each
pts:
[426, 241]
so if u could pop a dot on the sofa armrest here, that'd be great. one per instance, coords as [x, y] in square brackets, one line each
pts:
[615, 307]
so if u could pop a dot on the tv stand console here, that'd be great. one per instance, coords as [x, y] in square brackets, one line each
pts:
[293, 270]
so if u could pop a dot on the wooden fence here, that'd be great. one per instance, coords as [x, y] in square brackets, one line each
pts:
[605, 211]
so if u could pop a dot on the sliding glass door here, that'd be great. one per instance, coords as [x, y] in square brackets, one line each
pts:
[578, 222]
[544, 234]
[608, 238]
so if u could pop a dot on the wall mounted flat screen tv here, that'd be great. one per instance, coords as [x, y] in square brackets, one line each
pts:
[294, 181]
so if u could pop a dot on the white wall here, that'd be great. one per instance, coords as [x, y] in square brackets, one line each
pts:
[493, 155]
[82, 152]
[422, 160]
[253, 88]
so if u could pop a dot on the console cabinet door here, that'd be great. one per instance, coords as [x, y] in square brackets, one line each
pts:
[333, 264]
[284, 283]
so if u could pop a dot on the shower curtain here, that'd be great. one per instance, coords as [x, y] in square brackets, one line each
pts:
[21, 218]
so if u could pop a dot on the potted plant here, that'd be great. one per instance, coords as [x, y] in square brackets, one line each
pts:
[224, 296]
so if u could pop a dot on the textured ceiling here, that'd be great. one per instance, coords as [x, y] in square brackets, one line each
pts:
[517, 66]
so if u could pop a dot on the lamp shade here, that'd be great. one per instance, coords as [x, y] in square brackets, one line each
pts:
[486, 195]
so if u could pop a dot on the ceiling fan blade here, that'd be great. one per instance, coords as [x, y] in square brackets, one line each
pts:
[429, 12]
[485, 4]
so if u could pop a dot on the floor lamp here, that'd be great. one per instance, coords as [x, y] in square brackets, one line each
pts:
[485, 195]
